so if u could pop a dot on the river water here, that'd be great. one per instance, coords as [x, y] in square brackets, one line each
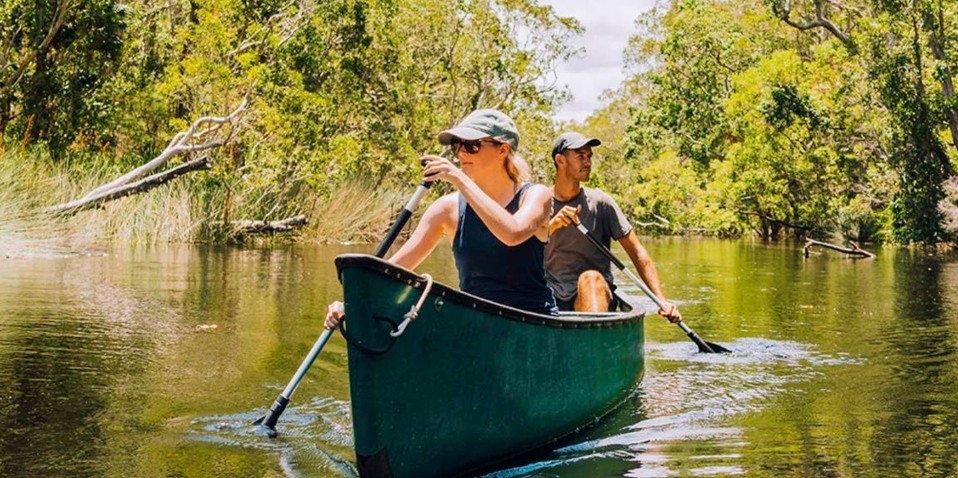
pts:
[152, 361]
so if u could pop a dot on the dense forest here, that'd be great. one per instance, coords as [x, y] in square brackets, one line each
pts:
[768, 117]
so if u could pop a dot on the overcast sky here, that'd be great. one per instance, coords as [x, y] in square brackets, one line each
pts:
[608, 25]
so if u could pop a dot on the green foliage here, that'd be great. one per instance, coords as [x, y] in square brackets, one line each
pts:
[341, 91]
[902, 71]
[59, 97]
[732, 120]
[751, 124]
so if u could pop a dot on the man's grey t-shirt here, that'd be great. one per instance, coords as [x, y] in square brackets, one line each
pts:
[569, 253]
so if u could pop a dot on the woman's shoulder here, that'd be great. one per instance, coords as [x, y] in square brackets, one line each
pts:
[536, 188]
[447, 201]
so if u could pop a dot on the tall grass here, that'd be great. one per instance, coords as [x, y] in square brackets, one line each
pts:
[355, 212]
[25, 185]
[189, 209]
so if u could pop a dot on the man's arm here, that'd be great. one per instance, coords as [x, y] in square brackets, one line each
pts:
[646, 268]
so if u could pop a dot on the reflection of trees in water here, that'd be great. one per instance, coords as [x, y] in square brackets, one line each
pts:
[99, 353]
[918, 437]
[61, 357]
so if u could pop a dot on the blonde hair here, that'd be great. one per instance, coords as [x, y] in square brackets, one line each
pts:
[516, 167]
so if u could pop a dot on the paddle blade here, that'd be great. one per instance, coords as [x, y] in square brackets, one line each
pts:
[269, 420]
[716, 348]
[707, 347]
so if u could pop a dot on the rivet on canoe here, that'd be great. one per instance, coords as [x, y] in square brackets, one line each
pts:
[438, 304]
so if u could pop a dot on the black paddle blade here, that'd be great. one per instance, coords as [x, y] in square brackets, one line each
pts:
[718, 349]
[707, 347]
[269, 420]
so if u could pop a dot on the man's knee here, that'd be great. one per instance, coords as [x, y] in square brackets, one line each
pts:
[594, 294]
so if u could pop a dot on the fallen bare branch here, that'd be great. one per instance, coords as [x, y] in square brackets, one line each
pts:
[855, 250]
[140, 186]
[181, 143]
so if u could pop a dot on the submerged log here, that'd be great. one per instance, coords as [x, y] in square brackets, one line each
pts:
[855, 250]
[243, 227]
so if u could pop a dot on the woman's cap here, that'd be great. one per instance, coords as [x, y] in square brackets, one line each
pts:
[483, 124]
[572, 140]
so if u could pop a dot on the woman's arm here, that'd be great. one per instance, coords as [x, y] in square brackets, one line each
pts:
[532, 218]
[512, 229]
[438, 220]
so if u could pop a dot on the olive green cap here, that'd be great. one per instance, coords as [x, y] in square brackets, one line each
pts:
[483, 124]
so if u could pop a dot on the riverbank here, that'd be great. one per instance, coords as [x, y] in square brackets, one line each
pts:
[199, 208]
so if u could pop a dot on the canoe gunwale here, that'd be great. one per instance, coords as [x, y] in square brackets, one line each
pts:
[410, 278]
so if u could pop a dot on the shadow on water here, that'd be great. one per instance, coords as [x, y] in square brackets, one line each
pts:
[920, 351]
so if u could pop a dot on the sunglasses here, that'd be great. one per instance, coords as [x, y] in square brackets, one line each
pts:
[471, 147]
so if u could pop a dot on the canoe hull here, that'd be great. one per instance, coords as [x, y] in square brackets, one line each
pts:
[470, 382]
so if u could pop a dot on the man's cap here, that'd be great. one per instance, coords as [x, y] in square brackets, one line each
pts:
[483, 124]
[572, 140]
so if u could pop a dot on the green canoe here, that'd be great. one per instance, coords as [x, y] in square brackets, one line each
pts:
[470, 382]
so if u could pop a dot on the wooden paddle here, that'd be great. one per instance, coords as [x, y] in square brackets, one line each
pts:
[269, 420]
[706, 347]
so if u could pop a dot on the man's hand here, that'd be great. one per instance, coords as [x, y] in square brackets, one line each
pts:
[567, 215]
[671, 312]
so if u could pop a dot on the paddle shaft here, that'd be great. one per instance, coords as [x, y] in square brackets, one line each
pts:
[402, 219]
[269, 420]
[635, 279]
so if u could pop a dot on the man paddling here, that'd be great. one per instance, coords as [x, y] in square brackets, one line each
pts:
[579, 273]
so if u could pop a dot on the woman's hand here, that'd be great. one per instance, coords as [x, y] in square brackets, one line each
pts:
[335, 314]
[438, 168]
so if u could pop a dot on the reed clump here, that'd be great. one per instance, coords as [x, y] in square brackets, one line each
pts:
[193, 209]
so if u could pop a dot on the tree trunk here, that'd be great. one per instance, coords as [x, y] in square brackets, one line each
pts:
[246, 226]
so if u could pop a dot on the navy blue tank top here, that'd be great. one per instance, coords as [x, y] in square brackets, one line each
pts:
[513, 276]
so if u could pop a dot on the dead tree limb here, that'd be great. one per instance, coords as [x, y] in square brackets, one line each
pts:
[246, 226]
[140, 186]
[203, 129]
[855, 250]
[182, 142]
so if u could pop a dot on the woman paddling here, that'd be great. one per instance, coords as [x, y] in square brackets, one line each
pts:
[498, 222]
